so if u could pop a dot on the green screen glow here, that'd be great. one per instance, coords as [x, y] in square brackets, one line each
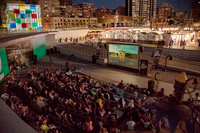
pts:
[39, 46]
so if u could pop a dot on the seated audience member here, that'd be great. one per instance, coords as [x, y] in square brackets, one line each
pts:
[101, 113]
[73, 68]
[78, 107]
[65, 117]
[146, 120]
[88, 125]
[78, 126]
[107, 96]
[113, 129]
[112, 117]
[71, 104]
[161, 93]
[122, 102]
[86, 109]
[28, 73]
[131, 103]
[45, 94]
[24, 66]
[130, 124]
[35, 72]
[70, 119]
[196, 100]
[99, 102]
[121, 84]
[127, 86]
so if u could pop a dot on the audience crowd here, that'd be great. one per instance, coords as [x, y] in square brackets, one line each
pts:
[58, 100]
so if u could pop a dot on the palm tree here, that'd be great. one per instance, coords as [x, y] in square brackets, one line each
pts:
[151, 22]
[80, 23]
[135, 21]
[89, 21]
[129, 19]
[66, 23]
[140, 20]
[73, 24]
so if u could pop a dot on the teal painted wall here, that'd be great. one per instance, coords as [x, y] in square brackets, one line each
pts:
[39, 46]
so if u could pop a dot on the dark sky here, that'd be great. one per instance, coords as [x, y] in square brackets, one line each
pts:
[179, 5]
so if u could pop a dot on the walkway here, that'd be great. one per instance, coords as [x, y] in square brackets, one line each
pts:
[111, 74]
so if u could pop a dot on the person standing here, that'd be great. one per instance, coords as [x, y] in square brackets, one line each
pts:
[98, 51]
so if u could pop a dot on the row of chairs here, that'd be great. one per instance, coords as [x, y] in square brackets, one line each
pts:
[59, 122]
[35, 106]
[73, 111]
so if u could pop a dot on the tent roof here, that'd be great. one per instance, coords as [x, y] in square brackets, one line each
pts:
[143, 32]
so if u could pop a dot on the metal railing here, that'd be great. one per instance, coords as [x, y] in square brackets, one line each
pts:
[87, 51]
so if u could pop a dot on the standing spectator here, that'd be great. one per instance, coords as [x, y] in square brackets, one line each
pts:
[197, 98]
[161, 93]
[130, 124]
[198, 43]
[98, 51]
[121, 84]
[105, 46]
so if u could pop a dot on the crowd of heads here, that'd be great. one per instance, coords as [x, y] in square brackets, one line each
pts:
[78, 101]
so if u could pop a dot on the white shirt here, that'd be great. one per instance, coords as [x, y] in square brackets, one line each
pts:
[131, 125]
[146, 124]
[131, 103]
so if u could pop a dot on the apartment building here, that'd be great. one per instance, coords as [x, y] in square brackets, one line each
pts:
[141, 8]
[195, 11]
[66, 2]
[64, 22]
[164, 12]
[88, 9]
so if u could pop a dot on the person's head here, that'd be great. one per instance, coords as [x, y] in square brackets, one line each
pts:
[162, 89]
[197, 94]
[121, 81]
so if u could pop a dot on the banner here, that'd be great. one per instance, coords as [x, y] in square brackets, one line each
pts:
[4, 69]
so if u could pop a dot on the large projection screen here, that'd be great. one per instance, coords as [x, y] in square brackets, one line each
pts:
[123, 55]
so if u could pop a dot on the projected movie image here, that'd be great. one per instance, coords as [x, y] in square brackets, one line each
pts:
[123, 55]
[19, 53]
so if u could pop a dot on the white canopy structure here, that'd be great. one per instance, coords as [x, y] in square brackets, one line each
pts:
[133, 35]
[106, 35]
[154, 36]
[142, 36]
[167, 37]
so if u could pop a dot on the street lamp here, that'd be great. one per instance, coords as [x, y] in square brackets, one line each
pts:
[116, 21]
[170, 58]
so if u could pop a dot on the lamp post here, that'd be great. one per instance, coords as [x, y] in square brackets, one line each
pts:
[116, 21]
[170, 58]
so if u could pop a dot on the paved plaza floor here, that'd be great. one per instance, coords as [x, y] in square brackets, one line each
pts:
[165, 79]
[193, 66]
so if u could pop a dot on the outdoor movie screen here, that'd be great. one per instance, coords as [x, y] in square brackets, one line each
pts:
[123, 55]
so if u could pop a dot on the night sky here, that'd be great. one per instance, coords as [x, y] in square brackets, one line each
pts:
[179, 5]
